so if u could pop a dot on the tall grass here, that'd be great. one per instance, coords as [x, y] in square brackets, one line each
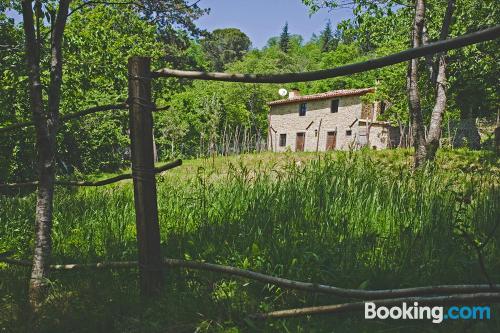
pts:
[346, 220]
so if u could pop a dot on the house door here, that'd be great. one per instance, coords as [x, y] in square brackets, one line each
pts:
[331, 140]
[300, 142]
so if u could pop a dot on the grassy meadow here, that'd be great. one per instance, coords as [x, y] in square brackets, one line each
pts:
[350, 219]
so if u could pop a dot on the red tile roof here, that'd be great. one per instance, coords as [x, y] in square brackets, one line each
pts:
[325, 95]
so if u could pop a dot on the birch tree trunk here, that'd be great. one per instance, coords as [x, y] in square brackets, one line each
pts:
[45, 128]
[440, 105]
[417, 121]
[426, 145]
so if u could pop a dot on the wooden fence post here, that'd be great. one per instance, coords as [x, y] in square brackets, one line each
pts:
[141, 144]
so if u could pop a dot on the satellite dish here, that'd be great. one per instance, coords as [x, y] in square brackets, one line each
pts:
[283, 92]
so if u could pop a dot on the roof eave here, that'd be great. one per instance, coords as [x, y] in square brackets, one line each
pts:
[298, 100]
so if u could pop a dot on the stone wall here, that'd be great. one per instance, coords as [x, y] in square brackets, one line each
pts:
[379, 136]
[285, 119]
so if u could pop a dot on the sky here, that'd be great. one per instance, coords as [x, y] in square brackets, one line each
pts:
[262, 19]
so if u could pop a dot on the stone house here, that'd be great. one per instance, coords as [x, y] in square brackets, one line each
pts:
[332, 120]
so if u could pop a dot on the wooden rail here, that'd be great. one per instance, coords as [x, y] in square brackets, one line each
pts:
[436, 47]
[281, 282]
[66, 117]
[103, 182]
[94, 109]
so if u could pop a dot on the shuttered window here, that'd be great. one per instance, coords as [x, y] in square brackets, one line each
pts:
[282, 140]
[334, 106]
[302, 109]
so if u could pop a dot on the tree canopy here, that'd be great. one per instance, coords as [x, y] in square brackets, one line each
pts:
[225, 46]
[99, 39]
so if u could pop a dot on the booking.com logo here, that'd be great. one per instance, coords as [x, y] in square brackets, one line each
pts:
[436, 313]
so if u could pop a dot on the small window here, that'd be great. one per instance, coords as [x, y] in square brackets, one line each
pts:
[334, 106]
[282, 140]
[302, 109]
[348, 132]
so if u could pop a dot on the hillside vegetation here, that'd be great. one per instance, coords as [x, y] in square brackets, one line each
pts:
[349, 219]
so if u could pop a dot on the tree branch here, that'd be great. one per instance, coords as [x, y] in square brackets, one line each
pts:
[479, 253]
[96, 3]
[56, 69]
[429, 59]
[284, 283]
[78, 114]
[103, 182]
[91, 110]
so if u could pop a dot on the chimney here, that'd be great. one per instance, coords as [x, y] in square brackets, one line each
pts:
[294, 93]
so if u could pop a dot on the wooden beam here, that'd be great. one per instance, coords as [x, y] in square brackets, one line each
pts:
[78, 114]
[145, 198]
[436, 47]
[282, 282]
[91, 110]
[103, 182]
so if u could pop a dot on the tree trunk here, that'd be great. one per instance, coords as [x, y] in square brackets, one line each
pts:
[45, 128]
[56, 62]
[43, 215]
[440, 105]
[497, 134]
[417, 121]
[437, 112]
[429, 59]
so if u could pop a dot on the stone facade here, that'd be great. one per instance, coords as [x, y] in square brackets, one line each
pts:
[319, 123]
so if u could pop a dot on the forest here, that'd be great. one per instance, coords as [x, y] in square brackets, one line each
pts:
[423, 214]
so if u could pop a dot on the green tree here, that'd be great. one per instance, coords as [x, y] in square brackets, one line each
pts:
[327, 39]
[225, 46]
[473, 73]
[284, 41]
[16, 160]
[106, 37]
[44, 59]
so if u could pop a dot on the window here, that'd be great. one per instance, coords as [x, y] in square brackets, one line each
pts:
[348, 132]
[302, 109]
[282, 140]
[334, 106]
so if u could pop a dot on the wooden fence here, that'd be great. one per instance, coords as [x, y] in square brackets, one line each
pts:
[150, 263]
